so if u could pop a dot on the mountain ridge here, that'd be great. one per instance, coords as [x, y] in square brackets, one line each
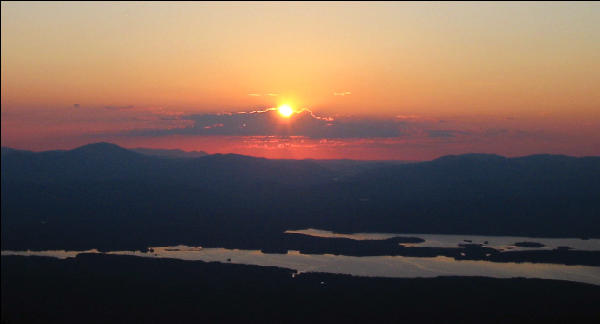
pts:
[104, 195]
[108, 147]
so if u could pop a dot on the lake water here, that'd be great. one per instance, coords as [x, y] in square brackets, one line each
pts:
[447, 240]
[379, 266]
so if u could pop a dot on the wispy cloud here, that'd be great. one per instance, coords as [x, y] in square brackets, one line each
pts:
[119, 107]
[269, 122]
[392, 133]
[267, 94]
[445, 133]
[346, 93]
[405, 117]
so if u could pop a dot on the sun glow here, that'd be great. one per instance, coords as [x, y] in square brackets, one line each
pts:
[285, 110]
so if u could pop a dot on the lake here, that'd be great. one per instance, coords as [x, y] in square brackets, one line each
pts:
[372, 266]
[453, 240]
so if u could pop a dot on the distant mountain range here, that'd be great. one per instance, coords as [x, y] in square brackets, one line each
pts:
[102, 195]
[170, 153]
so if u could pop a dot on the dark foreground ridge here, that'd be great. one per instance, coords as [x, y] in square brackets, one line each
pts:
[96, 288]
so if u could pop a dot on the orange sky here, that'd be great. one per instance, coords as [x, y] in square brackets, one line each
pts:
[509, 78]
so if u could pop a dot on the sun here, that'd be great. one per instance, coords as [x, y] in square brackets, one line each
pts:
[285, 110]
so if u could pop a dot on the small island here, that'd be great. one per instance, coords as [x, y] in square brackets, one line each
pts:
[529, 244]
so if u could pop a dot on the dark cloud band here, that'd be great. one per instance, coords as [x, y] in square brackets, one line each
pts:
[269, 122]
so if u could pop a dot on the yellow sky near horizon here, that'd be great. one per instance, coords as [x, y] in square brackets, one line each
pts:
[538, 63]
[391, 57]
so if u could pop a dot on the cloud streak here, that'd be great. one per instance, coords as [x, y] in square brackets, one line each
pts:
[341, 94]
[445, 133]
[269, 122]
[310, 134]
[305, 123]
[267, 94]
[119, 107]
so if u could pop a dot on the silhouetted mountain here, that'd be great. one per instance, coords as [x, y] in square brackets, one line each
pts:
[105, 161]
[101, 149]
[103, 196]
[476, 193]
[170, 153]
[8, 150]
[93, 162]
[345, 168]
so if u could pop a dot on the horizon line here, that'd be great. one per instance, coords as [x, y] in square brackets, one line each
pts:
[132, 149]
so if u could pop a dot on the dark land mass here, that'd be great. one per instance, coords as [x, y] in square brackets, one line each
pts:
[96, 288]
[106, 197]
[343, 246]
[173, 153]
[529, 244]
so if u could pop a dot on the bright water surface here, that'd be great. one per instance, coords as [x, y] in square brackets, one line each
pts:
[383, 266]
[378, 266]
[451, 240]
